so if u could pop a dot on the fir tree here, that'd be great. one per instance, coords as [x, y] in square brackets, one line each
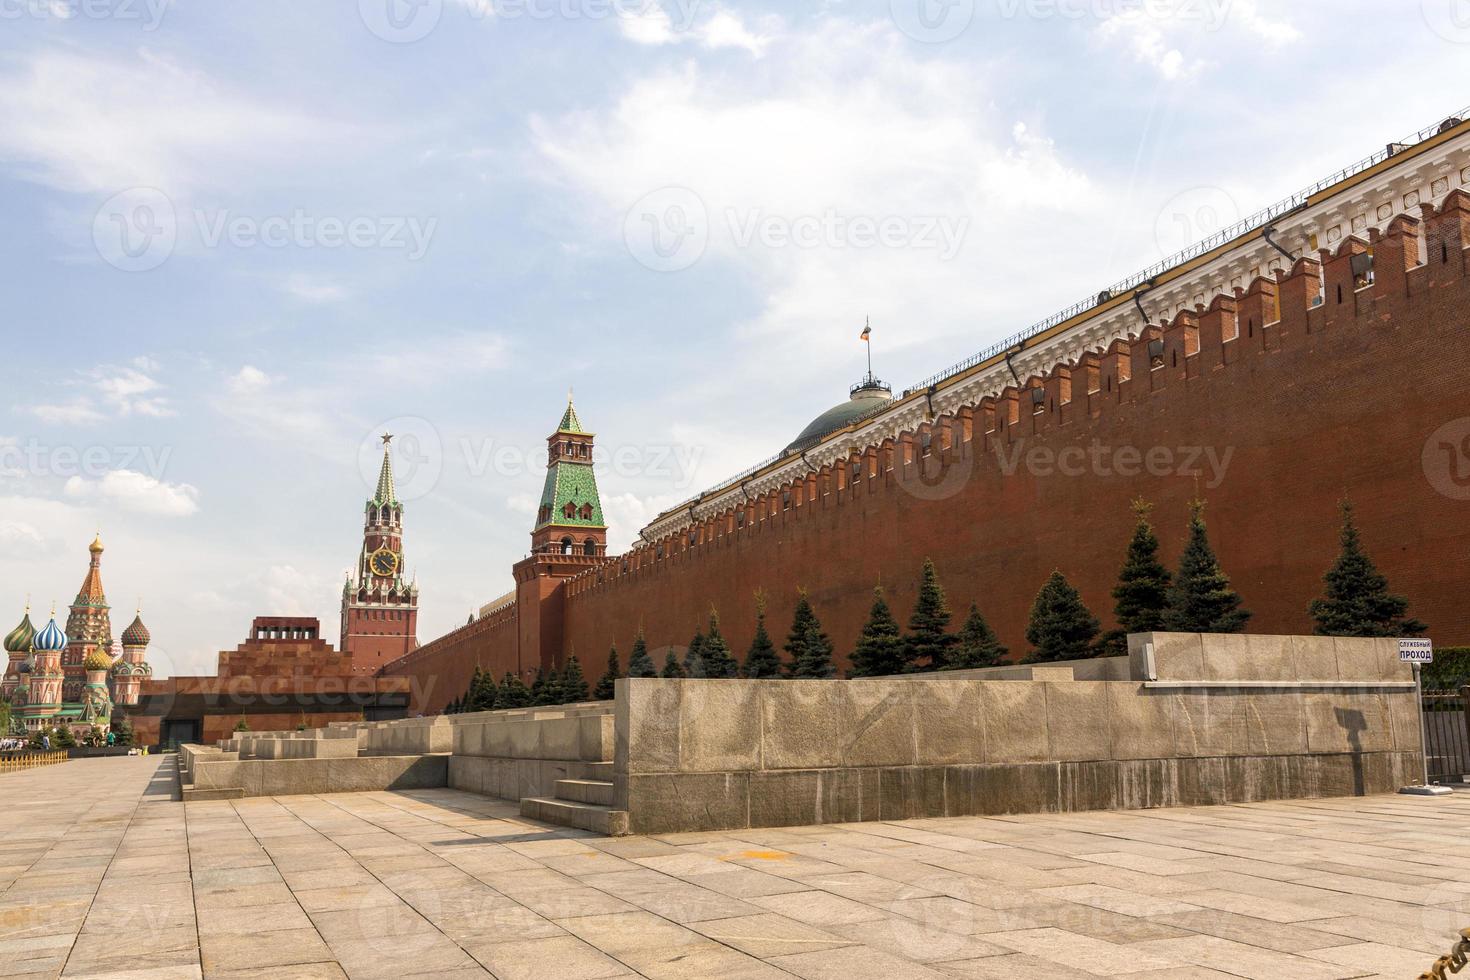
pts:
[486, 693]
[242, 725]
[816, 657]
[1200, 598]
[761, 660]
[538, 687]
[694, 656]
[715, 654]
[976, 645]
[801, 620]
[65, 738]
[672, 668]
[1357, 601]
[551, 689]
[605, 684]
[1062, 627]
[881, 649]
[928, 642]
[639, 663]
[573, 684]
[809, 648]
[513, 692]
[1142, 593]
[124, 733]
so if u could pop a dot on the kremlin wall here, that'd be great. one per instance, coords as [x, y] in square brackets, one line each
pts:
[1316, 351]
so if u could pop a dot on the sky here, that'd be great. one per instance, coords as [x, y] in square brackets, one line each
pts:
[242, 240]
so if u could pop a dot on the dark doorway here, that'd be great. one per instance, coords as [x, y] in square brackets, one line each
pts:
[179, 731]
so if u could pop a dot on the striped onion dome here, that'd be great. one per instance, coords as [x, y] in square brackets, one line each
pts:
[51, 639]
[136, 635]
[97, 660]
[19, 639]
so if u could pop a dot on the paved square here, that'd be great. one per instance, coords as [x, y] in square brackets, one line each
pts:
[103, 874]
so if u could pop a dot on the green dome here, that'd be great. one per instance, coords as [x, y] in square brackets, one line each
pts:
[868, 397]
[19, 639]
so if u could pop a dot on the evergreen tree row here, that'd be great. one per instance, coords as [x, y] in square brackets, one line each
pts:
[1197, 598]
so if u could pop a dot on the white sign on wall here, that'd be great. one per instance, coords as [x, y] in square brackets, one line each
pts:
[1416, 651]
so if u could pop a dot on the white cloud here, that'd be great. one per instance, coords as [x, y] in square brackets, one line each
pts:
[79, 411]
[136, 492]
[20, 538]
[109, 391]
[312, 290]
[1160, 34]
[99, 124]
[843, 121]
[247, 380]
[652, 24]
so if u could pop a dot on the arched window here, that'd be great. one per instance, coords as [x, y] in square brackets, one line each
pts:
[566, 546]
[589, 547]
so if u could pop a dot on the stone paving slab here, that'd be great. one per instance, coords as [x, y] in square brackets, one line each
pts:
[104, 873]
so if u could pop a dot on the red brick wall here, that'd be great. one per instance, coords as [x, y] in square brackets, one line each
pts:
[1318, 401]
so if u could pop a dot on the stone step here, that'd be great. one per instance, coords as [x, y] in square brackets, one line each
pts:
[599, 770]
[583, 816]
[585, 791]
[201, 795]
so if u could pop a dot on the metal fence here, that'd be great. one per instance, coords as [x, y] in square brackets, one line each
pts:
[27, 760]
[1447, 737]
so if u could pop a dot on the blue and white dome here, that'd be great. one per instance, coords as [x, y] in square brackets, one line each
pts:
[51, 639]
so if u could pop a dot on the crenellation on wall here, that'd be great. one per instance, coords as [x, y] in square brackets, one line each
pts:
[1145, 389]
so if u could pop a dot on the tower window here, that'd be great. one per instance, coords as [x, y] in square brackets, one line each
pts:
[569, 510]
[566, 546]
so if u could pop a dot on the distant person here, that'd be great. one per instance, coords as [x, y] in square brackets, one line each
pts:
[111, 738]
[46, 743]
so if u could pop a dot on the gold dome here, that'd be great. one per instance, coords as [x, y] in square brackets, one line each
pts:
[97, 659]
[96, 545]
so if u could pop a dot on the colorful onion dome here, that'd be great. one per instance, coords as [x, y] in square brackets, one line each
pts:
[19, 639]
[97, 659]
[136, 635]
[51, 639]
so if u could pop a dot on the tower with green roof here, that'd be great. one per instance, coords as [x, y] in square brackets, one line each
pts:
[569, 521]
[380, 601]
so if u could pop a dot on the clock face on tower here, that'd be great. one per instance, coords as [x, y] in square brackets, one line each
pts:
[384, 563]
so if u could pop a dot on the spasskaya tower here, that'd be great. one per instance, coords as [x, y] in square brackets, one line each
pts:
[380, 610]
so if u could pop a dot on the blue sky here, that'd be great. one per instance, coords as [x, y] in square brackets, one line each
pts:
[243, 238]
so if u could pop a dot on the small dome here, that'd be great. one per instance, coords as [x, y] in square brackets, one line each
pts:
[97, 660]
[51, 639]
[868, 397]
[19, 639]
[136, 635]
[96, 546]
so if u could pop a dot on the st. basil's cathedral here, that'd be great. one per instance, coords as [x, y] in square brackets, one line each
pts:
[78, 675]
